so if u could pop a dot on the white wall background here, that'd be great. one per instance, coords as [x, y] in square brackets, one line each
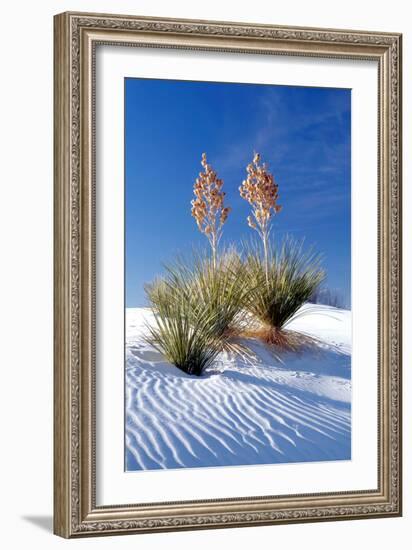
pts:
[26, 270]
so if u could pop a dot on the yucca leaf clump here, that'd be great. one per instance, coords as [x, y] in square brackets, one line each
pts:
[280, 286]
[186, 338]
[198, 305]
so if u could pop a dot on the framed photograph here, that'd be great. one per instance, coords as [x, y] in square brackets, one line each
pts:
[227, 274]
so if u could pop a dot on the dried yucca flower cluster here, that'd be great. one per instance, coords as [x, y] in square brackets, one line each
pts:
[259, 189]
[208, 207]
[262, 193]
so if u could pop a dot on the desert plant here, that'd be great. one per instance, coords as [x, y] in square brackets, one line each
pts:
[218, 293]
[186, 338]
[280, 287]
[208, 206]
[261, 191]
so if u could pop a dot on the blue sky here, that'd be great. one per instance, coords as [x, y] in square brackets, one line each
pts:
[302, 133]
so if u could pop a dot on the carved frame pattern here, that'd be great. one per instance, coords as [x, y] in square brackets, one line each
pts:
[76, 36]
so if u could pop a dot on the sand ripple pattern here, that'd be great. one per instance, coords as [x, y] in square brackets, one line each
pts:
[236, 413]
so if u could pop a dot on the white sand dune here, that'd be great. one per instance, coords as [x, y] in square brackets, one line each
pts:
[293, 408]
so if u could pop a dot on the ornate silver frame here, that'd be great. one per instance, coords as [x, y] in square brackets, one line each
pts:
[75, 39]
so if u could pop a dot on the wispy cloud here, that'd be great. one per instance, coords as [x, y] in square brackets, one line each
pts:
[308, 150]
[290, 134]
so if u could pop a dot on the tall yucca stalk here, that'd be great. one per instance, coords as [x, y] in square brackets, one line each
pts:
[208, 206]
[261, 191]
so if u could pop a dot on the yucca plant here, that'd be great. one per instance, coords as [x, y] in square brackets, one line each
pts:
[211, 300]
[280, 286]
[187, 338]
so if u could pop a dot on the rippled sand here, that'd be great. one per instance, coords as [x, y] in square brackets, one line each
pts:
[292, 408]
